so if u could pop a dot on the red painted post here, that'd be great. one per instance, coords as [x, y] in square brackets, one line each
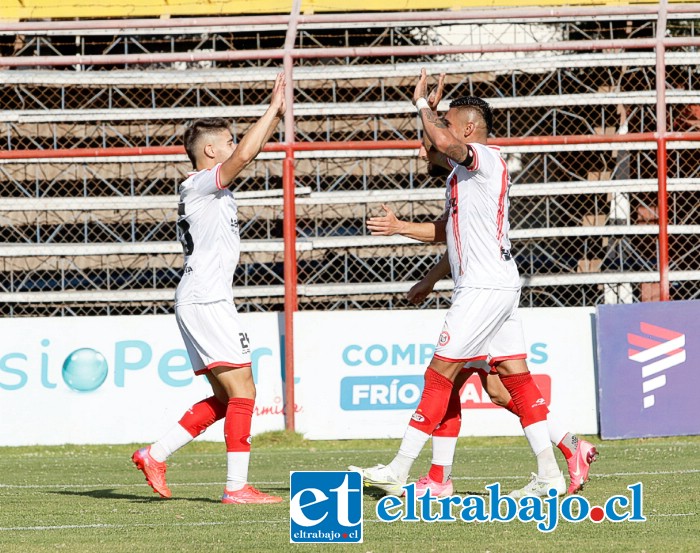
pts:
[290, 221]
[661, 164]
[290, 286]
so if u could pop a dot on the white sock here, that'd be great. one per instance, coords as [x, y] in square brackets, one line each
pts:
[556, 432]
[237, 470]
[173, 440]
[444, 450]
[537, 435]
[411, 446]
[546, 464]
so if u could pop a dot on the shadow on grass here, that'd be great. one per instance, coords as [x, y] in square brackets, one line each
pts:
[111, 494]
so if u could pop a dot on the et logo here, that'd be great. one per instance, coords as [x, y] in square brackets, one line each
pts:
[325, 507]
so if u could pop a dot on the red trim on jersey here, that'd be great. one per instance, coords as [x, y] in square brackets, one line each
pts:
[215, 364]
[467, 360]
[495, 360]
[454, 212]
[218, 178]
[502, 204]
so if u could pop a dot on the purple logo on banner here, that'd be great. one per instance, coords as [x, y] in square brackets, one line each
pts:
[649, 369]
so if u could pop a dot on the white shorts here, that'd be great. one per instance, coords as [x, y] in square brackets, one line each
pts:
[482, 324]
[213, 335]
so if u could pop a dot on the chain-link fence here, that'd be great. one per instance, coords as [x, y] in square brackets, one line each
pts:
[98, 236]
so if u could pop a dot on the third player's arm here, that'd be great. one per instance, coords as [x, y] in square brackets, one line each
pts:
[425, 286]
[388, 225]
[256, 137]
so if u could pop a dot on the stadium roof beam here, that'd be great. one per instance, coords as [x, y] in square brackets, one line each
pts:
[343, 52]
[198, 24]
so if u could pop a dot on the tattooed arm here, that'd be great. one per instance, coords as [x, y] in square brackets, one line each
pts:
[436, 132]
[444, 143]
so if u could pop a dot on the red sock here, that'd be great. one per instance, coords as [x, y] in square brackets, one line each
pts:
[202, 415]
[512, 408]
[452, 421]
[529, 403]
[239, 415]
[433, 402]
[448, 428]
[568, 454]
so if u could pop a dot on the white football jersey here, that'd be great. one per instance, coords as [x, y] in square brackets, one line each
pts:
[477, 225]
[208, 223]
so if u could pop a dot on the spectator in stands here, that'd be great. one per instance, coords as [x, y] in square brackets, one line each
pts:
[482, 322]
[217, 343]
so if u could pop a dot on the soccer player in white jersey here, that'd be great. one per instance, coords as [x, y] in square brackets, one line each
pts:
[483, 322]
[579, 454]
[217, 343]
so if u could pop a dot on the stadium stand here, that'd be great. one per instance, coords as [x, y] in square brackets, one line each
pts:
[97, 235]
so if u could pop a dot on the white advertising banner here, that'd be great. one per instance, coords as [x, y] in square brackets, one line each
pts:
[360, 373]
[92, 380]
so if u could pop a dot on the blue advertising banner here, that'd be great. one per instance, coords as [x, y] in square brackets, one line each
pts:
[649, 369]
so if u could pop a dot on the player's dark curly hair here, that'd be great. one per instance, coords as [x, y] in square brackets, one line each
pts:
[477, 104]
[198, 128]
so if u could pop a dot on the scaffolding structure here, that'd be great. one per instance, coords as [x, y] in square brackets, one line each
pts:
[589, 188]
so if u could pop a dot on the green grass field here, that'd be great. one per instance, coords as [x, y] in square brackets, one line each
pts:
[91, 498]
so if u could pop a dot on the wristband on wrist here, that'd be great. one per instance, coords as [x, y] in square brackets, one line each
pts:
[422, 103]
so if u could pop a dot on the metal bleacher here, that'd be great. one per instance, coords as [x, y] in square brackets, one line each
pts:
[98, 235]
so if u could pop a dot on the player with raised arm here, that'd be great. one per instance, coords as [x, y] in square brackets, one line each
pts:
[579, 454]
[217, 343]
[482, 322]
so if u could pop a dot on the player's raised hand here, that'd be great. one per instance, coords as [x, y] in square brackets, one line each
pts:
[436, 94]
[419, 291]
[422, 87]
[384, 225]
[277, 101]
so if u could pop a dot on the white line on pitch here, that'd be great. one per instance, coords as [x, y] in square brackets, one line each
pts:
[49, 456]
[595, 475]
[194, 524]
[135, 525]
[135, 485]
[284, 483]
